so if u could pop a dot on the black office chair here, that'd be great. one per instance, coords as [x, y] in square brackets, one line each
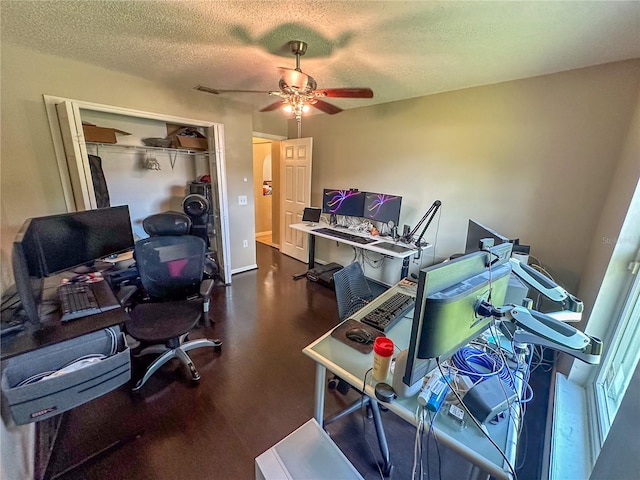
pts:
[352, 290]
[352, 293]
[171, 266]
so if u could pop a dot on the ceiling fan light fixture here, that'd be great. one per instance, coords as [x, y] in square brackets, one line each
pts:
[305, 108]
[288, 108]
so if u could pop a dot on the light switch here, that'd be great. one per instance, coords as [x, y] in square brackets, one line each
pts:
[242, 200]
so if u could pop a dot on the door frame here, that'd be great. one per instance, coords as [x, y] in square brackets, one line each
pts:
[215, 134]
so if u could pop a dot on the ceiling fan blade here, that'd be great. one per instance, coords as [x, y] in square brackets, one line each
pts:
[273, 106]
[326, 107]
[217, 91]
[294, 78]
[345, 92]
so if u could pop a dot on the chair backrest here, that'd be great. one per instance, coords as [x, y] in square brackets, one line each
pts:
[352, 290]
[167, 223]
[170, 267]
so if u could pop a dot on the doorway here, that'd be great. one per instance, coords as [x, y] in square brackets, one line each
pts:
[266, 188]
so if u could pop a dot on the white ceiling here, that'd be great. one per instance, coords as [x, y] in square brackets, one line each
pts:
[399, 49]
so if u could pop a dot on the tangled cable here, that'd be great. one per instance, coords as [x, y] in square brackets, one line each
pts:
[468, 359]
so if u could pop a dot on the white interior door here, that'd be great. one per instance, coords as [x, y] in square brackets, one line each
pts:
[295, 184]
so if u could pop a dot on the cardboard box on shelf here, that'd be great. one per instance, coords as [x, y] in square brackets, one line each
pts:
[93, 133]
[186, 137]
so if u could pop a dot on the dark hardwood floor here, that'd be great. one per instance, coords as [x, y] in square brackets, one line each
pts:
[253, 393]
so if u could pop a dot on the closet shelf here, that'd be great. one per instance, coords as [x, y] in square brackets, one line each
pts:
[142, 148]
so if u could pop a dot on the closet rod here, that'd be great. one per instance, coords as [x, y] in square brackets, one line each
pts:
[140, 148]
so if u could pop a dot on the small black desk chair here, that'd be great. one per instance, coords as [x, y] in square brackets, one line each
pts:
[171, 266]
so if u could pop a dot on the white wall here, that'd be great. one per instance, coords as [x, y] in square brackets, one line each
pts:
[531, 158]
[30, 183]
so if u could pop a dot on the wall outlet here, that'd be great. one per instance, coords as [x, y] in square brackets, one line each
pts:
[245, 243]
[242, 200]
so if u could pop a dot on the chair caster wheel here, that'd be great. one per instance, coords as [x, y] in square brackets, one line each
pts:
[332, 384]
[217, 345]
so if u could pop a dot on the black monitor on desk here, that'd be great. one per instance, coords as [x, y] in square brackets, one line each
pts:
[382, 207]
[343, 202]
[27, 271]
[79, 239]
[48, 245]
[445, 317]
[477, 232]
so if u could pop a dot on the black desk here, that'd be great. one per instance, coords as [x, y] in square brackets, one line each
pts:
[52, 331]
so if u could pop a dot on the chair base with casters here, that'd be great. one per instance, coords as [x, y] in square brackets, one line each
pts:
[178, 318]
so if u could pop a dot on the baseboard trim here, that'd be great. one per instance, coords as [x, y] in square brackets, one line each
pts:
[244, 269]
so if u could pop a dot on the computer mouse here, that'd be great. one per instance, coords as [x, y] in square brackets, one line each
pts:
[359, 335]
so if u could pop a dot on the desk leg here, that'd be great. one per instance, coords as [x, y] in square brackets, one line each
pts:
[405, 268]
[312, 260]
[477, 473]
[321, 377]
[312, 251]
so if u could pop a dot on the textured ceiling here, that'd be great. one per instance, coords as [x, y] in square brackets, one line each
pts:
[399, 49]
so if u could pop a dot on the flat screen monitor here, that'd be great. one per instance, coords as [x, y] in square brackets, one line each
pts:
[477, 232]
[382, 207]
[79, 239]
[343, 202]
[445, 317]
[27, 271]
[311, 215]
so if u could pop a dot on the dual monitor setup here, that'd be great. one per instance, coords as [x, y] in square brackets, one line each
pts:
[46, 246]
[380, 207]
[457, 300]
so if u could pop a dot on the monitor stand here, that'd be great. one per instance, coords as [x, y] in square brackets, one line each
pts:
[95, 266]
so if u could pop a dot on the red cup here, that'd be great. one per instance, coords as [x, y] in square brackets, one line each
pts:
[382, 352]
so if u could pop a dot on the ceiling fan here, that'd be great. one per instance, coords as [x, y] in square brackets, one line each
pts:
[299, 91]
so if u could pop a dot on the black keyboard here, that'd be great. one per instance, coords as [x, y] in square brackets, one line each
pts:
[84, 299]
[388, 313]
[345, 235]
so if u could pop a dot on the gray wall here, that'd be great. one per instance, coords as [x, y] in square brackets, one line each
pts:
[532, 158]
[30, 182]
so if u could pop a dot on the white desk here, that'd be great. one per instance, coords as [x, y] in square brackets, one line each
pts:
[394, 249]
[351, 365]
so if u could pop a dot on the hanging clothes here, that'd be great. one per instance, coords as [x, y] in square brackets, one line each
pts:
[99, 182]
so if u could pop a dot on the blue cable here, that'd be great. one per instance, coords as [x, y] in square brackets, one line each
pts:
[467, 359]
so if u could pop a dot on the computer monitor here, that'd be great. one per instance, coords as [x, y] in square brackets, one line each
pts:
[311, 215]
[343, 202]
[382, 207]
[79, 239]
[477, 232]
[445, 317]
[27, 271]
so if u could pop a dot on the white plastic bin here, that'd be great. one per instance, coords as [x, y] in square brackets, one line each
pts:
[307, 453]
